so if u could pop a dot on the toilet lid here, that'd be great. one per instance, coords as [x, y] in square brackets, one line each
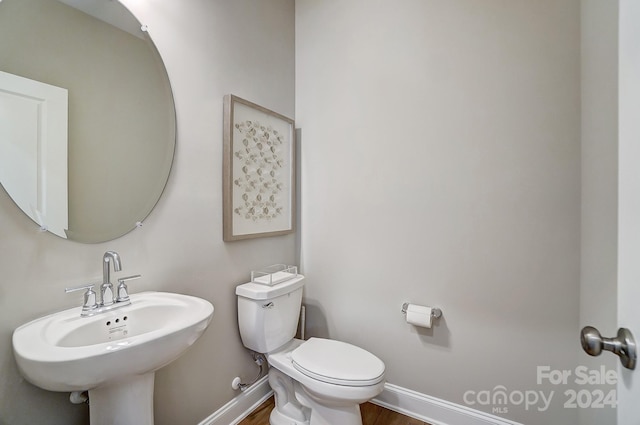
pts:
[338, 363]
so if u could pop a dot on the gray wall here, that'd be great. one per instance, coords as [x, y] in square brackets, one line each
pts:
[211, 48]
[441, 166]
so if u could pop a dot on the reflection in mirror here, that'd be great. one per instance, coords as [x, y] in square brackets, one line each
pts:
[121, 119]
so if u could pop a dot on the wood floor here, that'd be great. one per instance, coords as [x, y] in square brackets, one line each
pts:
[371, 415]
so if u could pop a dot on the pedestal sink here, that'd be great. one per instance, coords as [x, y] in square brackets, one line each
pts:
[113, 355]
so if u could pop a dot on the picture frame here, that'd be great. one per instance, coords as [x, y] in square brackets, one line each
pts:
[259, 171]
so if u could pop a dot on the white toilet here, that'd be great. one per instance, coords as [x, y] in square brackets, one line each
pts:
[316, 382]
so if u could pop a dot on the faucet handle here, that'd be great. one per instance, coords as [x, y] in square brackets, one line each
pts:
[123, 294]
[89, 296]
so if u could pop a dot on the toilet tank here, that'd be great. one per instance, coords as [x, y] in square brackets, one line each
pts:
[268, 315]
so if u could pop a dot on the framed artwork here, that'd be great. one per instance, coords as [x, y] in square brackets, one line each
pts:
[258, 171]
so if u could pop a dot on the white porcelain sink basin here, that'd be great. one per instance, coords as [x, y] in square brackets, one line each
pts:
[111, 352]
[66, 352]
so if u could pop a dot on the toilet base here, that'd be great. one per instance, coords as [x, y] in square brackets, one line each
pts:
[287, 410]
[277, 418]
[321, 414]
[295, 406]
[302, 400]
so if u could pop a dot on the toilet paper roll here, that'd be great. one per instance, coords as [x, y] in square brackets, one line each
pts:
[419, 315]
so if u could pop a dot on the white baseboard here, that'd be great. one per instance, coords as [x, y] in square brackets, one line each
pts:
[433, 410]
[241, 406]
[411, 403]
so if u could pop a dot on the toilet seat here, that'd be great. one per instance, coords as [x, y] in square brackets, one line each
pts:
[337, 362]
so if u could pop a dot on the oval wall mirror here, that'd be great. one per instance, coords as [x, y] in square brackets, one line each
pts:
[87, 119]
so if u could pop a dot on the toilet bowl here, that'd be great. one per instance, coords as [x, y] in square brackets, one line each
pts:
[315, 382]
[331, 378]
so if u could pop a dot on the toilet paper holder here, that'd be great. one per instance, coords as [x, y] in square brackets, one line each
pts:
[436, 313]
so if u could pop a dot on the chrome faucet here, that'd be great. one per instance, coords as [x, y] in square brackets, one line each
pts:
[106, 289]
[108, 300]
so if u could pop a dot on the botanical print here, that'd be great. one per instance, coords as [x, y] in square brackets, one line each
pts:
[258, 161]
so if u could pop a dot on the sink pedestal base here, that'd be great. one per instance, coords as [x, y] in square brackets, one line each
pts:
[124, 402]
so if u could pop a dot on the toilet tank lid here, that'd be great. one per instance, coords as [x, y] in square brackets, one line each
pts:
[257, 291]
